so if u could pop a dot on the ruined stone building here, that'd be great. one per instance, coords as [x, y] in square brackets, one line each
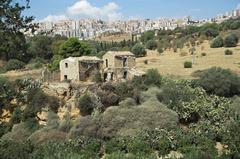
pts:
[80, 68]
[119, 65]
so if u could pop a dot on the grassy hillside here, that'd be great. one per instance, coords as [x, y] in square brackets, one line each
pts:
[170, 63]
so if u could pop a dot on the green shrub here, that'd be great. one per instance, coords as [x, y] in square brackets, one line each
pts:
[98, 77]
[118, 144]
[36, 100]
[54, 65]
[36, 63]
[153, 77]
[86, 105]
[7, 94]
[204, 54]
[145, 62]
[80, 148]
[138, 146]
[13, 149]
[139, 50]
[180, 97]
[221, 82]
[188, 64]
[217, 42]
[124, 90]
[16, 116]
[14, 64]
[151, 45]
[5, 128]
[228, 52]
[231, 41]
[160, 50]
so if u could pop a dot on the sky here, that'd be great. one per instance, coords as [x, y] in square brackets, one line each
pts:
[54, 10]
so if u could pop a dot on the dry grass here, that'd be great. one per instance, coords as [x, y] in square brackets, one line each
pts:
[13, 75]
[171, 63]
[116, 38]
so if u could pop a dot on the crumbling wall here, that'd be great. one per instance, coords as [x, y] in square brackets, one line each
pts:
[48, 76]
[131, 62]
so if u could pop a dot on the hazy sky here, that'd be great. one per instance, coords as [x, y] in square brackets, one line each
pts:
[128, 9]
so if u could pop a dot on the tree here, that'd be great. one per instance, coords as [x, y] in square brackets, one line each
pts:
[54, 65]
[231, 41]
[148, 35]
[210, 32]
[153, 77]
[86, 105]
[151, 45]
[7, 94]
[217, 42]
[55, 46]
[40, 46]
[71, 47]
[14, 65]
[12, 26]
[139, 50]
[221, 82]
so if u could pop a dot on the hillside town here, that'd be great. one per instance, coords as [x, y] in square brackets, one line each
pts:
[85, 29]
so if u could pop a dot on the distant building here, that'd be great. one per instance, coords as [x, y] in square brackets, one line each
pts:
[119, 65]
[79, 68]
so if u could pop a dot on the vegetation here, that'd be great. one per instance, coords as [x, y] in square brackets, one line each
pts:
[221, 82]
[231, 41]
[148, 117]
[188, 64]
[228, 52]
[151, 45]
[139, 50]
[14, 65]
[217, 42]
[204, 54]
[86, 105]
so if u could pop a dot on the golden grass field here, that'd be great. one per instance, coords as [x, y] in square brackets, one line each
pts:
[116, 38]
[172, 64]
[13, 75]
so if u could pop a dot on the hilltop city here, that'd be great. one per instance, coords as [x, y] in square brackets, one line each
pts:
[92, 28]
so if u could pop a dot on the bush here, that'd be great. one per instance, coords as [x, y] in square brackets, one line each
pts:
[5, 128]
[36, 63]
[16, 116]
[188, 64]
[86, 105]
[217, 42]
[204, 54]
[180, 97]
[138, 146]
[13, 150]
[145, 62]
[151, 45]
[36, 100]
[160, 50]
[221, 82]
[231, 41]
[14, 64]
[153, 77]
[139, 50]
[98, 77]
[228, 52]
[54, 65]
